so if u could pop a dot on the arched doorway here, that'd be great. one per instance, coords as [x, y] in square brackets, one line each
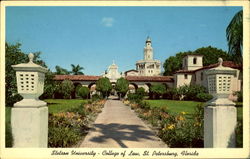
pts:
[132, 87]
[92, 89]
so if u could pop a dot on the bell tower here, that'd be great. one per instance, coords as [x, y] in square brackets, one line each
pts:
[148, 50]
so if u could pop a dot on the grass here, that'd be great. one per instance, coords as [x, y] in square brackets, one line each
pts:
[175, 106]
[61, 105]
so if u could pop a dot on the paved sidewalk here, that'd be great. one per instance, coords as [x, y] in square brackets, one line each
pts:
[117, 126]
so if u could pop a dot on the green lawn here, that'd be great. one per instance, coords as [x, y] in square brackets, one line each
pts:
[61, 105]
[175, 106]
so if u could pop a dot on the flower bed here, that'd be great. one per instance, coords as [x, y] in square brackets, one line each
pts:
[68, 128]
[173, 128]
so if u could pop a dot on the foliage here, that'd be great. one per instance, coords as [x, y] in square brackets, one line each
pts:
[141, 92]
[239, 95]
[83, 92]
[49, 85]
[61, 71]
[104, 86]
[190, 92]
[122, 86]
[171, 93]
[177, 131]
[65, 129]
[137, 97]
[134, 97]
[96, 97]
[8, 131]
[13, 56]
[157, 90]
[234, 33]
[203, 97]
[210, 56]
[76, 70]
[66, 88]
[239, 133]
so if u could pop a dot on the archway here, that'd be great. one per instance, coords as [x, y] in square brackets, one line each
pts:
[92, 89]
[77, 85]
[132, 87]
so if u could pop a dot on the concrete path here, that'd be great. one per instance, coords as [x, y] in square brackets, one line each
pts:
[118, 126]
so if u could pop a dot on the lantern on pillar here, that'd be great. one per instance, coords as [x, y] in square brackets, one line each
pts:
[29, 117]
[220, 115]
[30, 82]
[220, 84]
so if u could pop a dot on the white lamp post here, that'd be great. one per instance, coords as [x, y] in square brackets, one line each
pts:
[29, 119]
[220, 116]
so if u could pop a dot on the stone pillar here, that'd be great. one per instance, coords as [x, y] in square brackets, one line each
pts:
[220, 114]
[29, 117]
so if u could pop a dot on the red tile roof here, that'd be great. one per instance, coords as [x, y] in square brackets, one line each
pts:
[76, 77]
[150, 78]
[225, 64]
[129, 78]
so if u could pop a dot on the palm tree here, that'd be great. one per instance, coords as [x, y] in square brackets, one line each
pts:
[234, 37]
[76, 70]
[61, 71]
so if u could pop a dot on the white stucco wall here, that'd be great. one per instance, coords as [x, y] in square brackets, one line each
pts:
[180, 79]
[189, 65]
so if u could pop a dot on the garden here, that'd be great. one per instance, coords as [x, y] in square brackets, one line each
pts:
[179, 119]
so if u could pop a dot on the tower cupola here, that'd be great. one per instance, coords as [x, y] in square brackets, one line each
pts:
[148, 50]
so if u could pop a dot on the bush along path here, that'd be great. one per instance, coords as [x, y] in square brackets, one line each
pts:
[118, 126]
[173, 128]
[66, 129]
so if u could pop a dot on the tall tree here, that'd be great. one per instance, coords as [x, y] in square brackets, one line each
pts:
[61, 71]
[234, 33]
[122, 87]
[76, 70]
[104, 86]
[13, 56]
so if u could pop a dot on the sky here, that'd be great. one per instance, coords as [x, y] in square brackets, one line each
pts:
[95, 36]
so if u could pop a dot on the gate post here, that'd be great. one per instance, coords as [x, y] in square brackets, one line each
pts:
[29, 117]
[220, 114]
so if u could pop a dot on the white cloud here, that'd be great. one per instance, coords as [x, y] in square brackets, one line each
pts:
[108, 21]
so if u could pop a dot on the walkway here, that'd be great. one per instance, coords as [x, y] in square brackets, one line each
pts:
[117, 126]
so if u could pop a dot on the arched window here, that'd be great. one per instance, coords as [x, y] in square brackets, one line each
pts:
[186, 76]
[195, 60]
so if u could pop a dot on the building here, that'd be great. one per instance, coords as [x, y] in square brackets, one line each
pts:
[113, 73]
[148, 71]
[148, 66]
[193, 72]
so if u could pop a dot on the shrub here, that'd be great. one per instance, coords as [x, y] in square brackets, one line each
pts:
[83, 92]
[157, 90]
[190, 92]
[13, 99]
[65, 129]
[171, 93]
[141, 92]
[96, 97]
[239, 95]
[66, 88]
[203, 97]
[177, 131]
